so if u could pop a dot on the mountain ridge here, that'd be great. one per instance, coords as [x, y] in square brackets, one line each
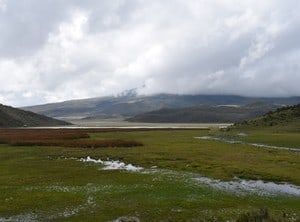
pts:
[127, 106]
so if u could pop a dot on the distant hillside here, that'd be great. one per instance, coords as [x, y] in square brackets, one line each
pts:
[129, 105]
[12, 117]
[205, 114]
[282, 117]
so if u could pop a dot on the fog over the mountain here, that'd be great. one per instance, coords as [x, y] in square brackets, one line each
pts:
[54, 50]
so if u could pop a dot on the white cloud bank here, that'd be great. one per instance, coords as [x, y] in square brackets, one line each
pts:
[55, 50]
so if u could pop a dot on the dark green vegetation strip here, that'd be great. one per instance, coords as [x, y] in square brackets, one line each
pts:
[37, 184]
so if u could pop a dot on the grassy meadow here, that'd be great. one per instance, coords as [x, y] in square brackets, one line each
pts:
[43, 179]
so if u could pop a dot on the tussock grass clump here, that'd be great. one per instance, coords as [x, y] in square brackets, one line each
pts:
[58, 137]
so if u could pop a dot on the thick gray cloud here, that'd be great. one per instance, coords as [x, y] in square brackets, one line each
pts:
[55, 50]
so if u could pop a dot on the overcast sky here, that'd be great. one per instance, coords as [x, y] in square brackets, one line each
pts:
[55, 50]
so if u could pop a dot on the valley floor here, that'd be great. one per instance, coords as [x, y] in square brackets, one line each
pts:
[122, 123]
[167, 175]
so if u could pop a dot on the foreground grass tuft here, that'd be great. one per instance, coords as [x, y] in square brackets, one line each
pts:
[263, 216]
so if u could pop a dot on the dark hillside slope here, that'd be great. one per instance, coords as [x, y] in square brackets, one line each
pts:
[13, 117]
[282, 117]
[205, 114]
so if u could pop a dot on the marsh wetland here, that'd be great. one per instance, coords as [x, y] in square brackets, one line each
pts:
[148, 175]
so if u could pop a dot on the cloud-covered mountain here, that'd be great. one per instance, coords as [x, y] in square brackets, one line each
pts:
[55, 50]
[128, 106]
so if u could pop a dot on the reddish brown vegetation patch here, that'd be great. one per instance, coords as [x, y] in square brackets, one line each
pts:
[59, 137]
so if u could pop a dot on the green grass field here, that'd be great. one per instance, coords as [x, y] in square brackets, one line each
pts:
[45, 183]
